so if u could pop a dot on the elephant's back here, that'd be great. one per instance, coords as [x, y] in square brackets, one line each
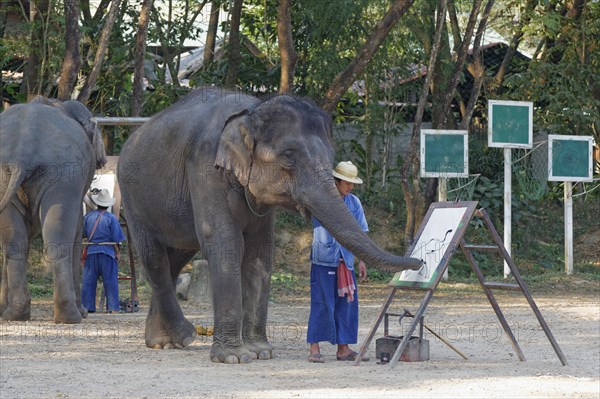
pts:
[190, 128]
[199, 117]
[35, 132]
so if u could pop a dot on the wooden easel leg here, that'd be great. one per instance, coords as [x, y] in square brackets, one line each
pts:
[492, 299]
[367, 342]
[519, 280]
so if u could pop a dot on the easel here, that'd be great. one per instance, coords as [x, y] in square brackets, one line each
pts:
[429, 286]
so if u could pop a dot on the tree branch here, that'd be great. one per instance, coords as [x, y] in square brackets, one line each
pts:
[344, 79]
[140, 56]
[289, 57]
[85, 93]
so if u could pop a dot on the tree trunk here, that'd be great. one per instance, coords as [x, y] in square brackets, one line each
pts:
[233, 48]
[571, 14]
[140, 54]
[72, 59]
[4, 5]
[344, 79]
[459, 65]
[33, 71]
[477, 69]
[3, 18]
[84, 96]
[454, 26]
[211, 34]
[289, 57]
[514, 43]
[410, 169]
[200, 288]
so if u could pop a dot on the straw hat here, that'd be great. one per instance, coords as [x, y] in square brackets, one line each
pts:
[348, 172]
[103, 199]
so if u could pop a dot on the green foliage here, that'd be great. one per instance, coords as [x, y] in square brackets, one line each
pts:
[287, 218]
[163, 96]
[563, 96]
[378, 276]
[563, 84]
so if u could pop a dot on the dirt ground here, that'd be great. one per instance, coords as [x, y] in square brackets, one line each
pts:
[105, 356]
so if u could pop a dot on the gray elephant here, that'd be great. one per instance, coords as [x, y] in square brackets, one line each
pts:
[49, 151]
[205, 174]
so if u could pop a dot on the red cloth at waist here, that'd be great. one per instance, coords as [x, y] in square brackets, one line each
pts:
[345, 282]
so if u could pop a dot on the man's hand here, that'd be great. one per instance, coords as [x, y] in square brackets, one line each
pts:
[362, 271]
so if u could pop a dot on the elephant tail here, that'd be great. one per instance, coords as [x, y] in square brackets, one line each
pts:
[15, 176]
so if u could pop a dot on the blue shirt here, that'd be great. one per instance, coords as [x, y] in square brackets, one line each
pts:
[325, 250]
[108, 230]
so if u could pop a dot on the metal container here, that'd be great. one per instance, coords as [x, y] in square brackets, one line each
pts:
[417, 349]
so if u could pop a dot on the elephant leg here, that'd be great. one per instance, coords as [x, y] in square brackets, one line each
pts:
[166, 327]
[224, 256]
[3, 283]
[256, 283]
[59, 220]
[77, 268]
[15, 300]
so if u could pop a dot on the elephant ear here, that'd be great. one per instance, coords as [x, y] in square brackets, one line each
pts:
[83, 116]
[236, 148]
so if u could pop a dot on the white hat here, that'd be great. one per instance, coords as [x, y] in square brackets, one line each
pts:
[348, 172]
[103, 199]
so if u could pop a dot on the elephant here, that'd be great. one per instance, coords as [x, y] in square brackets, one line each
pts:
[49, 151]
[205, 174]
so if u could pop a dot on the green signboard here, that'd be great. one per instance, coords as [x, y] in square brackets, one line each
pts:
[570, 158]
[444, 153]
[510, 124]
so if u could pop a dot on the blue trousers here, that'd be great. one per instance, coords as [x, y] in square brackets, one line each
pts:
[97, 265]
[332, 318]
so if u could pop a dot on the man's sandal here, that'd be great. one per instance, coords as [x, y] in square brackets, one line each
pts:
[352, 357]
[316, 358]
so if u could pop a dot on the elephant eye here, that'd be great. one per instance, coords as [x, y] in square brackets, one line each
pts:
[287, 158]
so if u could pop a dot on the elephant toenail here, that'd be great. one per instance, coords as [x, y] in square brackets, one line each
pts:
[246, 358]
[231, 360]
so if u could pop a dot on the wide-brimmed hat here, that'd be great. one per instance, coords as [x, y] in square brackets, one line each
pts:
[103, 199]
[348, 172]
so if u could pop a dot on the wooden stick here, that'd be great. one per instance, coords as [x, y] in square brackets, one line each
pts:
[439, 337]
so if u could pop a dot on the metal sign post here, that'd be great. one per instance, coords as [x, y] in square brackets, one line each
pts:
[570, 159]
[510, 125]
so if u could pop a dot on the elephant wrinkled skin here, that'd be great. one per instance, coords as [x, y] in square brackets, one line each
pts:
[49, 151]
[205, 174]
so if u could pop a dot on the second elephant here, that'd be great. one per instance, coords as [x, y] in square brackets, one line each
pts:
[205, 174]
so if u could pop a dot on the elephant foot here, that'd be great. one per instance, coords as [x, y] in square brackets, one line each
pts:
[67, 315]
[261, 350]
[178, 337]
[13, 314]
[234, 355]
[83, 311]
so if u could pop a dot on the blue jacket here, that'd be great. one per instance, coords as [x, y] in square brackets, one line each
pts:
[108, 230]
[325, 250]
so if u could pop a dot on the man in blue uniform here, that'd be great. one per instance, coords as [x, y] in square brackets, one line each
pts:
[101, 226]
[333, 296]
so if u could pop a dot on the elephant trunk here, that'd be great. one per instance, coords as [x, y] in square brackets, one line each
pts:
[334, 215]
